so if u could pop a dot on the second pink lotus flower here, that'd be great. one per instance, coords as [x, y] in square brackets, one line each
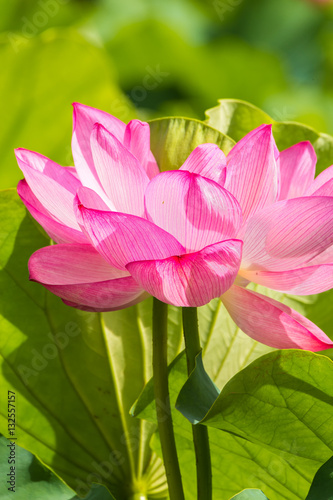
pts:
[124, 230]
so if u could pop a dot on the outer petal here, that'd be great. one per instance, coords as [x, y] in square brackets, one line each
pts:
[322, 185]
[273, 323]
[252, 173]
[297, 169]
[71, 264]
[110, 304]
[196, 210]
[84, 118]
[120, 173]
[122, 238]
[54, 186]
[57, 232]
[288, 234]
[190, 280]
[137, 140]
[101, 296]
[79, 275]
[303, 281]
[209, 161]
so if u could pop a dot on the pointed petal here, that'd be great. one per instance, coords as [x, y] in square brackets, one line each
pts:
[322, 185]
[122, 238]
[303, 281]
[249, 136]
[54, 186]
[57, 232]
[209, 161]
[272, 323]
[120, 173]
[190, 280]
[71, 264]
[297, 169]
[84, 119]
[137, 140]
[288, 234]
[196, 210]
[61, 175]
[252, 174]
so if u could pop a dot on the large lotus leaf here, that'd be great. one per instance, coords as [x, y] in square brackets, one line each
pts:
[282, 401]
[33, 480]
[237, 463]
[75, 374]
[236, 118]
[322, 486]
[173, 139]
[29, 478]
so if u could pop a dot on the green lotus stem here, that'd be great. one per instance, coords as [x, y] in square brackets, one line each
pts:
[163, 410]
[200, 432]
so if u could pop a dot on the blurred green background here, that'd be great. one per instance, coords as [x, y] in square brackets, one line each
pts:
[152, 58]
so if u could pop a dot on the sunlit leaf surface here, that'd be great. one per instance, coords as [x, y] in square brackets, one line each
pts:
[75, 375]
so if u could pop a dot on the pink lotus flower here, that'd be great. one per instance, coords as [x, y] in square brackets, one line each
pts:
[124, 230]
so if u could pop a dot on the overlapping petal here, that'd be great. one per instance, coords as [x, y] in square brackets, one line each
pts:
[273, 323]
[54, 186]
[288, 234]
[134, 136]
[84, 119]
[119, 172]
[90, 199]
[252, 172]
[303, 281]
[122, 238]
[78, 274]
[58, 232]
[190, 280]
[208, 161]
[322, 185]
[111, 302]
[250, 136]
[68, 264]
[137, 140]
[100, 296]
[196, 210]
[297, 170]
[125, 231]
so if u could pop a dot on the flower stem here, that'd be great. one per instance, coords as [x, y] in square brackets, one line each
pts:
[200, 432]
[163, 411]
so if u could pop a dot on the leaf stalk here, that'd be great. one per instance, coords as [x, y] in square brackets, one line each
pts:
[200, 432]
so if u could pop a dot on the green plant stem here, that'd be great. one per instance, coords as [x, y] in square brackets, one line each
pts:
[163, 410]
[200, 432]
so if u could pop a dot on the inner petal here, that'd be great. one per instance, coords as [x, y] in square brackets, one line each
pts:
[194, 209]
